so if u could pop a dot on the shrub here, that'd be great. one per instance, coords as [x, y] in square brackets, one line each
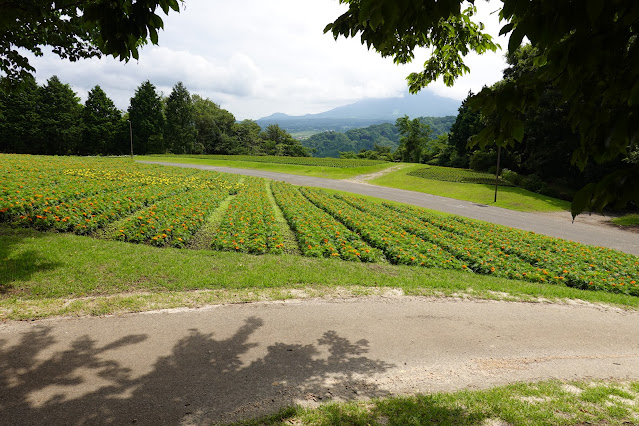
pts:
[482, 161]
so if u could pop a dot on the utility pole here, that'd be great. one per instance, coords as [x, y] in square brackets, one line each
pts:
[131, 136]
[497, 171]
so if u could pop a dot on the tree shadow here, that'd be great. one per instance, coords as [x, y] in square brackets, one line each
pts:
[18, 263]
[202, 381]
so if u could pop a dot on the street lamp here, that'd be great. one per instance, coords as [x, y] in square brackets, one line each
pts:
[131, 136]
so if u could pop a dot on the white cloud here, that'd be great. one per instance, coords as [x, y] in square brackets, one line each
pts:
[256, 58]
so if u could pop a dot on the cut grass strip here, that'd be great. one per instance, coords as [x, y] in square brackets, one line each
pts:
[287, 234]
[544, 403]
[42, 271]
[202, 239]
[631, 219]
[508, 197]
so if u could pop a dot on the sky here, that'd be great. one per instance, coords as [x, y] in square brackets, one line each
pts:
[256, 58]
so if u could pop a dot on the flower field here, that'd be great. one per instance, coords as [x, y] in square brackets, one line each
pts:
[165, 206]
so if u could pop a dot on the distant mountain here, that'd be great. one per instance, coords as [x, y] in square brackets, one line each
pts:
[331, 143]
[367, 112]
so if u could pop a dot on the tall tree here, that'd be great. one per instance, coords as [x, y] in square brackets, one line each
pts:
[589, 53]
[60, 113]
[467, 124]
[76, 29]
[246, 138]
[414, 137]
[147, 120]
[214, 125]
[277, 141]
[100, 122]
[179, 131]
[19, 119]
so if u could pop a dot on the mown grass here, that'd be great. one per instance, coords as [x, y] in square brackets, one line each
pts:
[507, 197]
[46, 274]
[314, 171]
[512, 198]
[543, 403]
[631, 219]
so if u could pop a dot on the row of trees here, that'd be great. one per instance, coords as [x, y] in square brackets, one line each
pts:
[50, 120]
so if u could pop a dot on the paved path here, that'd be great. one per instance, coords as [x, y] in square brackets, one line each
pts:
[227, 362]
[555, 225]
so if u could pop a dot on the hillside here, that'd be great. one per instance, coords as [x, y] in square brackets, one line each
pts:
[366, 112]
[331, 143]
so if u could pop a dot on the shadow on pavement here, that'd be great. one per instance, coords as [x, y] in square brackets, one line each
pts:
[202, 381]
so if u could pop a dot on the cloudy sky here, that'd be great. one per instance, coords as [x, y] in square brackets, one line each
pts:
[256, 58]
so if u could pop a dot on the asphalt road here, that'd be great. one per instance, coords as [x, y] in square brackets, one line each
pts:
[555, 225]
[229, 362]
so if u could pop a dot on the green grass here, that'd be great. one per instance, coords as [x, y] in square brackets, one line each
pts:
[49, 274]
[512, 198]
[544, 403]
[450, 174]
[507, 197]
[631, 219]
[303, 170]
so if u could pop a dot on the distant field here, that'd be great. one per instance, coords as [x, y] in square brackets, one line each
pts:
[341, 163]
[449, 174]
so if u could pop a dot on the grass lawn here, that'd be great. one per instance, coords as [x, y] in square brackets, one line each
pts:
[314, 171]
[631, 219]
[544, 403]
[507, 197]
[46, 274]
[512, 198]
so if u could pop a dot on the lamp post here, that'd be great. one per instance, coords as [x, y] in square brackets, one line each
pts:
[131, 136]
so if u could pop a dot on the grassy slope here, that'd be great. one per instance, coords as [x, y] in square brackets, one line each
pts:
[544, 403]
[314, 171]
[631, 219]
[46, 274]
[507, 197]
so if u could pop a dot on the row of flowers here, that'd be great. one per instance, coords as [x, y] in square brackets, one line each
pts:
[249, 224]
[318, 233]
[398, 245]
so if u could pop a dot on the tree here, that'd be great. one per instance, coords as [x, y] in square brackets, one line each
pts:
[59, 119]
[415, 136]
[76, 29]
[147, 120]
[467, 124]
[277, 141]
[19, 119]
[213, 124]
[179, 131]
[100, 121]
[590, 53]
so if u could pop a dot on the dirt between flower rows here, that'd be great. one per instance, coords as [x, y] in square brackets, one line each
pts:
[229, 362]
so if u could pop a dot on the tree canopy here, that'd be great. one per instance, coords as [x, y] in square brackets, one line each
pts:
[588, 51]
[76, 29]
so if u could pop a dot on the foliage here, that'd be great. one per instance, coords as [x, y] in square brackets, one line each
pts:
[147, 119]
[166, 206]
[467, 124]
[449, 174]
[589, 54]
[100, 121]
[414, 137]
[20, 119]
[59, 131]
[277, 141]
[179, 130]
[332, 143]
[76, 30]
[213, 124]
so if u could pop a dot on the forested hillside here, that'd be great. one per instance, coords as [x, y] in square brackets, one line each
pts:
[330, 144]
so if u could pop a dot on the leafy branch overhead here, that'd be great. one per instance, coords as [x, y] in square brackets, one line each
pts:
[588, 51]
[76, 29]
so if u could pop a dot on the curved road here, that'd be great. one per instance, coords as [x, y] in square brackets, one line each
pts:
[560, 226]
[223, 363]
